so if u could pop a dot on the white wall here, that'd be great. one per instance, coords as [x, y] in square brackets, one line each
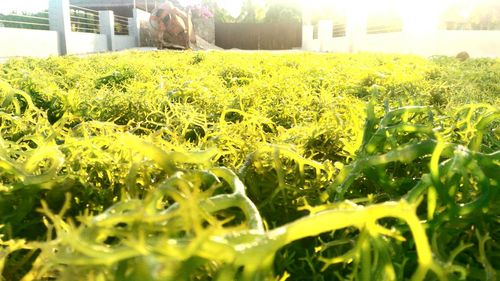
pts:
[422, 37]
[339, 45]
[391, 42]
[27, 42]
[122, 42]
[141, 29]
[84, 43]
[325, 30]
[60, 40]
[478, 43]
[308, 43]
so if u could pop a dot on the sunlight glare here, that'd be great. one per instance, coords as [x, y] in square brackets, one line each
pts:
[33, 6]
[231, 6]
[418, 16]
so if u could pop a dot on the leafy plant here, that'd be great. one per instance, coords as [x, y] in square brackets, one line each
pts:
[229, 166]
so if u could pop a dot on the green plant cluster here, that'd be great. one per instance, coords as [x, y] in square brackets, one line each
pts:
[249, 166]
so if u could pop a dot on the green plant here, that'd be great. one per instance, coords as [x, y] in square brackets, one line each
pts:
[231, 166]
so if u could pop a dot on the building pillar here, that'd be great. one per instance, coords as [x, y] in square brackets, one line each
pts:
[356, 24]
[60, 21]
[132, 31]
[325, 34]
[421, 37]
[134, 27]
[413, 13]
[307, 36]
[107, 27]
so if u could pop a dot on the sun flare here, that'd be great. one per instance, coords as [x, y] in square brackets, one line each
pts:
[415, 16]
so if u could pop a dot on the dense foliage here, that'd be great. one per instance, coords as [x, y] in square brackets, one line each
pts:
[257, 11]
[249, 166]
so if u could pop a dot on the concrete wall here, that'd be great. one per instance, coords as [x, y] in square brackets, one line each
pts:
[391, 42]
[478, 43]
[325, 30]
[142, 29]
[60, 21]
[423, 37]
[308, 43]
[84, 43]
[60, 40]
[339, 45]
[122, 42]
[25, 42]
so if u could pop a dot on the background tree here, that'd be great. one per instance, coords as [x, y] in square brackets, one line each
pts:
[219, 13]
[251, 12]
[283, 11]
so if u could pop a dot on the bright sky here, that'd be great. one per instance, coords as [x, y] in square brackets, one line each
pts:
[6, 6]
[233, 6]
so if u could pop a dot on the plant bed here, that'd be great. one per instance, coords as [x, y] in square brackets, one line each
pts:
[249, 166]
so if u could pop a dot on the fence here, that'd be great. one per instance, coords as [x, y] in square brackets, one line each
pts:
[39, 20]
[394, 37]
[338, 30]
[146, 5]
[121, 25]
[384, 26]
[410, 28]
[67, 29]
[464, 25]
[84, 20]
[258, 36]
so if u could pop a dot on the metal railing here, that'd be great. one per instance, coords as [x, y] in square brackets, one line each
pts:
[315, 31]
[466, 25]
[338, 30]
[38, 20]
[84, 20]
[388, 26]
[121, 25]
[146, 5]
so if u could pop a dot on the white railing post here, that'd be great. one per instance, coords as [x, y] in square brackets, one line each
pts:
[307, 28]
[356, 25]
[60, 21]
[107, 27]
[307, 36]
[422, 37]
[134, 27]
[325, 34]
[131, 30]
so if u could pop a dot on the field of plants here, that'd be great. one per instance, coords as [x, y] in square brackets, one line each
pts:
[249, 166]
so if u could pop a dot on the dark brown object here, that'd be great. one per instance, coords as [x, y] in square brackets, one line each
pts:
[258, 36]
[463, 56]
